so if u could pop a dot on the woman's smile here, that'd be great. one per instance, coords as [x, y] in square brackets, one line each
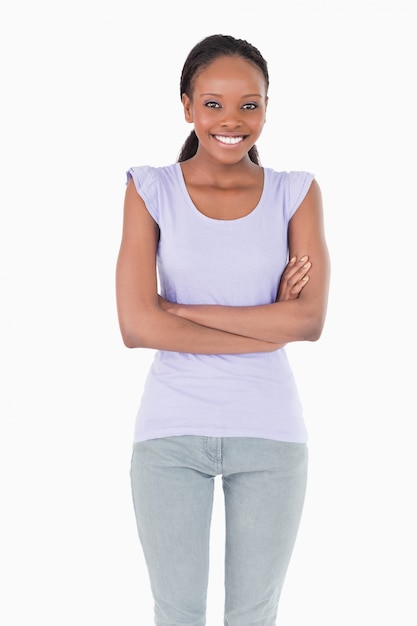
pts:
[229, 139]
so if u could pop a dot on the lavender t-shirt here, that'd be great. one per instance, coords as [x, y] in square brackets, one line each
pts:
[229, 262]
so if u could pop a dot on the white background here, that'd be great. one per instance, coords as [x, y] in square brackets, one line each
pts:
[90, 88]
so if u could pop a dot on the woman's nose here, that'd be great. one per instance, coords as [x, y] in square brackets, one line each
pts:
[231, 119]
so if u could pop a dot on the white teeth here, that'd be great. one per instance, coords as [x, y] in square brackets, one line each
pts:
[229, 140]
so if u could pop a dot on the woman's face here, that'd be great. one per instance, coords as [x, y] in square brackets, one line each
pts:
[227, 108]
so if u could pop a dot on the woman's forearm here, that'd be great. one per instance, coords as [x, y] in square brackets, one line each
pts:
[160, 330]
[293, 317]
[280, 322]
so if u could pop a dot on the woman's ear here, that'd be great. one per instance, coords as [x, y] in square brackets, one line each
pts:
[186, 103]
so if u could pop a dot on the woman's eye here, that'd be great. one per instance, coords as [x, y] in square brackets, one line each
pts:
[211, 104]
[250, 106]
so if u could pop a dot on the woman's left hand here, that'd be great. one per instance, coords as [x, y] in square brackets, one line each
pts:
[294, 278]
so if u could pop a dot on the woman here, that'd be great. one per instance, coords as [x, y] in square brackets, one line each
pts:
[239, 254]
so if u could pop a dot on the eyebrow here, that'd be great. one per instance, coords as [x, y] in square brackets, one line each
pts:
[219, 95]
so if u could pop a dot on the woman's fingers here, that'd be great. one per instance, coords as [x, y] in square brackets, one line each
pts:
[294, 278]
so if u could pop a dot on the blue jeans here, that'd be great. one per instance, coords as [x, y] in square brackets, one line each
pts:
[264, 485]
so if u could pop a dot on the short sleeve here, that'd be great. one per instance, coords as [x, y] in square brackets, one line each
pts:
[145, 180]
[298, 186]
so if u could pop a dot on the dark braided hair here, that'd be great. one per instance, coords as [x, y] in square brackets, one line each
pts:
[204, 53]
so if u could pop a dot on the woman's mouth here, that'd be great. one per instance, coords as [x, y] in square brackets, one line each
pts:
[227, 139]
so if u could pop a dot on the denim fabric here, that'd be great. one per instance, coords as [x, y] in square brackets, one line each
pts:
[264, 485]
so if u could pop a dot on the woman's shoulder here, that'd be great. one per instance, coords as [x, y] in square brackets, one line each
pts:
[151, 181]
[287, 175]
[288, 180]
[149, 171]
[148, 177]
[288, 187]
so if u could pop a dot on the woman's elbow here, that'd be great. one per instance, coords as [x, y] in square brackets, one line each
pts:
[134, 335]
[314, 334]
[137, 325]
[131, 341]
[314, 327]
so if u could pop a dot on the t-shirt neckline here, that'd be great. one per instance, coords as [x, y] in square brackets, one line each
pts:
[190, 202]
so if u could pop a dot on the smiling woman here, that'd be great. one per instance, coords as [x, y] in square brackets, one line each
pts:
[227, 107]
[242, 262]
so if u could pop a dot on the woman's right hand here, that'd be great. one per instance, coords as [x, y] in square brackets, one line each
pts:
[294, 278]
